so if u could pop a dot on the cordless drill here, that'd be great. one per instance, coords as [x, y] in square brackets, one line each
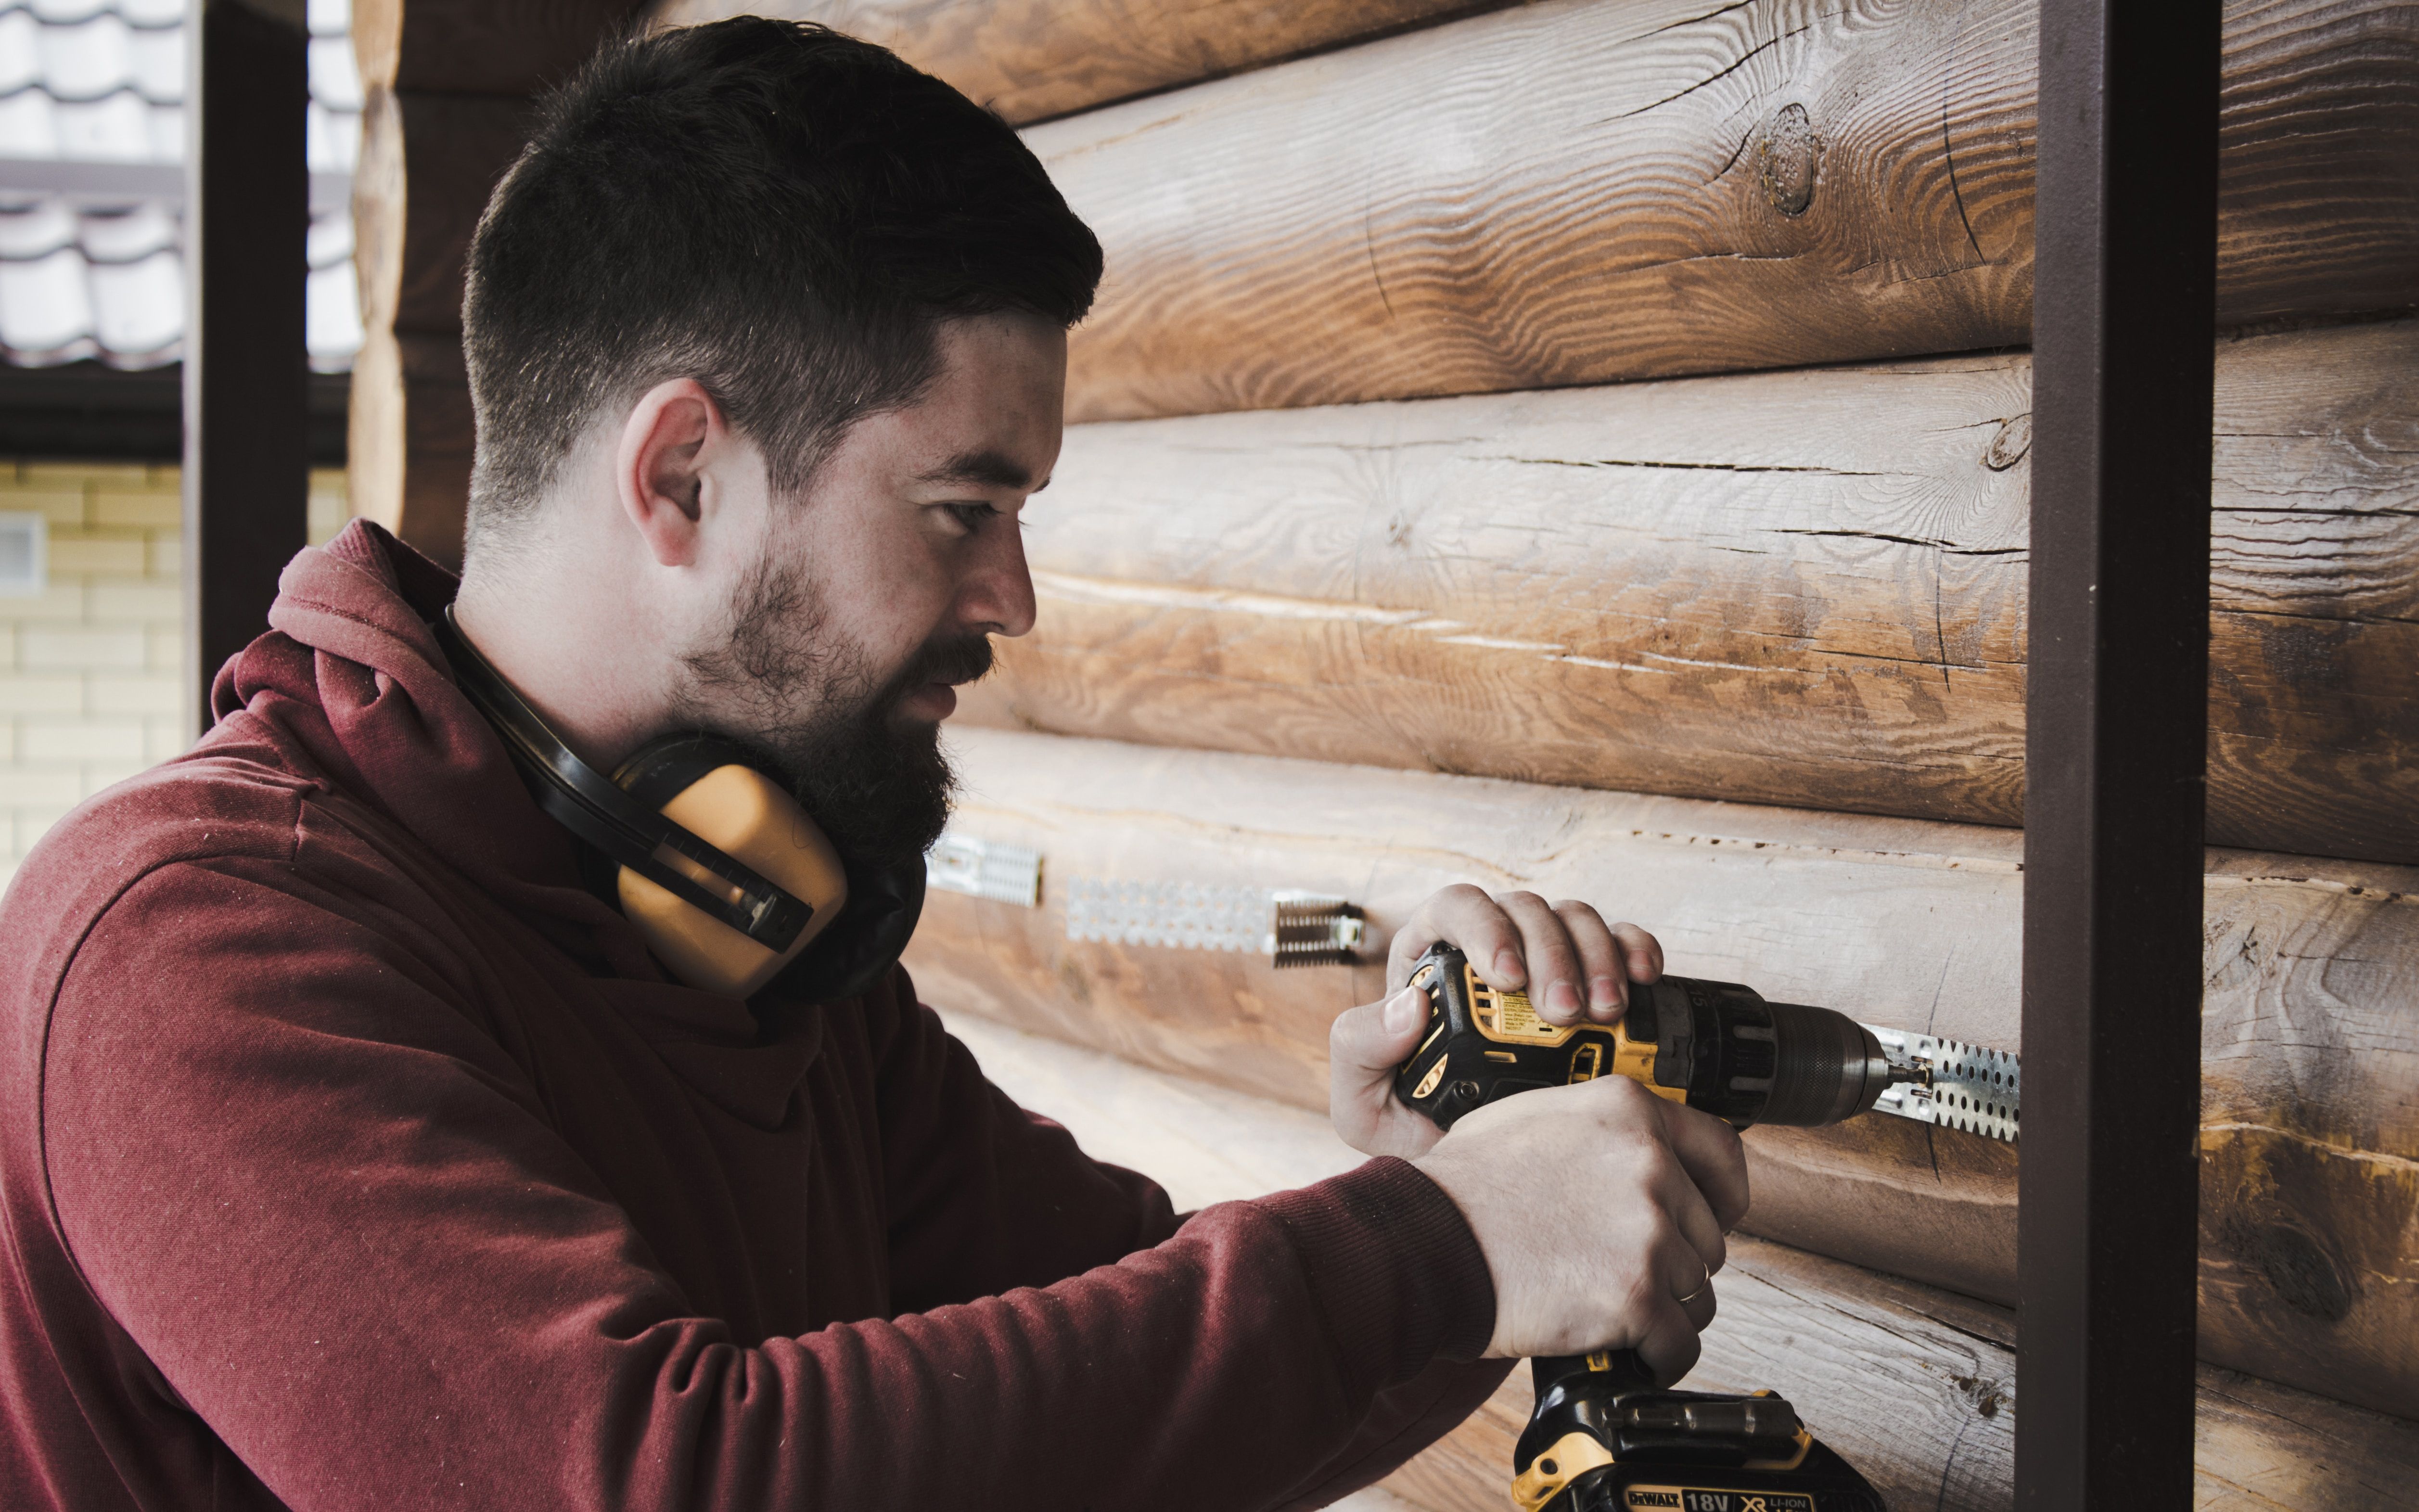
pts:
[1602, 1437]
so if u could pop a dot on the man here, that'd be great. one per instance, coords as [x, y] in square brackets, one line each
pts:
[357, 1155]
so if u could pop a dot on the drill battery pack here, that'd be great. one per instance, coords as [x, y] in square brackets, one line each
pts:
[1604, 1440]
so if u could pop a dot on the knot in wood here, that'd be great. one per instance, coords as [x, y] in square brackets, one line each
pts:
[2008, 448]
[1788, 153]
[2306, 1275]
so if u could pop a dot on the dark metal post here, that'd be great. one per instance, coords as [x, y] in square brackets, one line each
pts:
[2116, 737]
[247, 376]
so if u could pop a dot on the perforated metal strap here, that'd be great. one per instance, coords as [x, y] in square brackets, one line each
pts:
[1971, 1086]
[1292, 928]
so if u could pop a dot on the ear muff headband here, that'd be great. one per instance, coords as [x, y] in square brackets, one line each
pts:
[592, 807]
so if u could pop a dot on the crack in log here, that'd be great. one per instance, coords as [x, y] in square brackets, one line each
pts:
[1737, 152]
[1949, 152]
[1699, 20]
[1948, 1465]
[2329, 884]
[2241, 1489]
[1744, 59]
[1369, 245]
[1685, 467]
[1949, 546]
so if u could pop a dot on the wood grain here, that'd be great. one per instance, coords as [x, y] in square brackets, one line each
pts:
[1804, 588]
[1573, 193]
[1033, 59]
[1917, 1386]
[2309, 1029]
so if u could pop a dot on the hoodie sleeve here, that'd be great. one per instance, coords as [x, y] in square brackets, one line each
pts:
[296, 1168]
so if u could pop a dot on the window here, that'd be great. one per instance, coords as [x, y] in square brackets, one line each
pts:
[24, 552]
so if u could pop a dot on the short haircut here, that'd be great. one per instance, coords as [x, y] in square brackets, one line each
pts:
[783, 213]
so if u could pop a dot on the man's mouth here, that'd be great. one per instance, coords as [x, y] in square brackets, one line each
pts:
[931, 701]
[936, 672]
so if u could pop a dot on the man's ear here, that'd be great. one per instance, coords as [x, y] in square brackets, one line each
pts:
[659, 471]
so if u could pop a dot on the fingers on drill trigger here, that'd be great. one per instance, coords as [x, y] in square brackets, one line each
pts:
[1709, 1150]
[1642, 952]
[1554, 977]
[1477, 926]
[1670, 1346]
[1600, 959]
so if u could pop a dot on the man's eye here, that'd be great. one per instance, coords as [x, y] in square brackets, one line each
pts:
[971, 515]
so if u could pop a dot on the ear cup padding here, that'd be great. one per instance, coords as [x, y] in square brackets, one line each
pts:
[744, 813]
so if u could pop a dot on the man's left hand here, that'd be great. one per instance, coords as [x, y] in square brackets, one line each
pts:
[1573, 964]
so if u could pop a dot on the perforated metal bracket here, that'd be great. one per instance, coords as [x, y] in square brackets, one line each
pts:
[985, 868]
[1291, 928]
[1953, 1085]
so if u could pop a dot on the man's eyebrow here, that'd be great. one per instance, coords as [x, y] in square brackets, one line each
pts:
[986, 466]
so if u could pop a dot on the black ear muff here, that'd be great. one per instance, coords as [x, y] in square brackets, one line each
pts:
[723, 874]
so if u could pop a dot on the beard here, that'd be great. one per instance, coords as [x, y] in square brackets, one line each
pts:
[817, 711]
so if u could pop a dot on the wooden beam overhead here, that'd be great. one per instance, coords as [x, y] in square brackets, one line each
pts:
[1804, 588]
[2309, 1240]
[1575, 192]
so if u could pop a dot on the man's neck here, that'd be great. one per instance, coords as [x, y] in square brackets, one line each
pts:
[596, 671]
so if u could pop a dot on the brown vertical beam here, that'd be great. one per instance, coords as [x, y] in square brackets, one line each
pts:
[247, 375]
[2116, 737]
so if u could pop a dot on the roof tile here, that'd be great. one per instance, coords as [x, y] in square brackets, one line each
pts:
[90, 265]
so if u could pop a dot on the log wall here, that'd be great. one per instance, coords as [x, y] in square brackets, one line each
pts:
[2310, 1031]
[1916, 1386]
[1798, 587]
[1034, 59]
[447, 91]
[1803, 588]
[1572, 192]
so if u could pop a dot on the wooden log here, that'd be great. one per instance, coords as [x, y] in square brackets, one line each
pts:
[1574, 193]
[448, 85]
[2309, 1031]
[1917, 1386]
[1034, 59]
[1804, 588]
[428, 163]
[409, 439]
[480, 47]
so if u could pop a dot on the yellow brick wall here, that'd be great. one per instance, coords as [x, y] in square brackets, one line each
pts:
[91, 671]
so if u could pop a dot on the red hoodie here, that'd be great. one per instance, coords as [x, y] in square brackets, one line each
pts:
[354, 1156]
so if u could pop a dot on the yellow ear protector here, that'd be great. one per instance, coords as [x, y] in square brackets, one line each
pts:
[723, 874]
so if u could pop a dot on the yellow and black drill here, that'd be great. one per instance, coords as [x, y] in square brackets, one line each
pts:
[1602, 1438]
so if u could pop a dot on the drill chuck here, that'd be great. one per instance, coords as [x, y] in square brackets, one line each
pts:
[1714, 1045]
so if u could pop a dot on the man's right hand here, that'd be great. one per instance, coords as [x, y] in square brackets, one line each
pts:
[1601, 1209]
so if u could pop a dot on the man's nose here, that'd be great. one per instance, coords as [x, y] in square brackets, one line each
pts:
[997, 593]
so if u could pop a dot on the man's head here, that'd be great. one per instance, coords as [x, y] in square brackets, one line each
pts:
[767, 338]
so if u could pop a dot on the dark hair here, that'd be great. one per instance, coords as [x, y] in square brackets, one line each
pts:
[781, 212]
